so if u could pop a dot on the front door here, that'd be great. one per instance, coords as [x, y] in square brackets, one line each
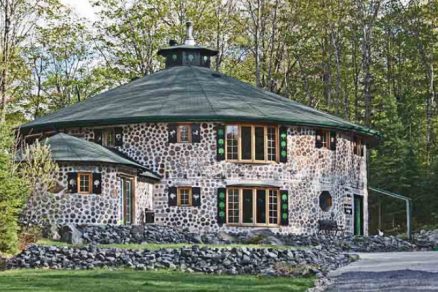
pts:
[358, 215]
[126, 201]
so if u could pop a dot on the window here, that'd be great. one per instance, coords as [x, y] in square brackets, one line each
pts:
[108, 137]
[323, 139]
[358, 146]
[251, 143]
[184, 197]
[325, 201]
[253, 206]
[272, 144]
[184, 134]
[232, 136]
[84, 183]
[233, 206]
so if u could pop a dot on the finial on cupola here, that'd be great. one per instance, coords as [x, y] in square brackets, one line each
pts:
[187, 54]
[189, 34]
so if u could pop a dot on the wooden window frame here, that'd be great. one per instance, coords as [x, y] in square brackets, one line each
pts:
[178, 133]
[253, 154]
[105, 133]
[254, 207]
[325, 134]
[358, 146]
[133, 194]
[178, 196]
[90, 182]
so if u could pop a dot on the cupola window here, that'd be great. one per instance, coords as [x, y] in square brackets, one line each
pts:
[251, 143]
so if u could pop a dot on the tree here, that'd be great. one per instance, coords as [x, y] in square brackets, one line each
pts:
[13, 191]
[17, 22]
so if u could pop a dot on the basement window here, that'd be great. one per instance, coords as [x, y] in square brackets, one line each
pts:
[251, 143]
[253, 206]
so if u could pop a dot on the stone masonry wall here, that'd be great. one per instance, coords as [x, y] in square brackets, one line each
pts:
[65, 208]
[307, 173]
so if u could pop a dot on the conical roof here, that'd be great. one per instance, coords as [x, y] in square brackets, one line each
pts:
[190, 94]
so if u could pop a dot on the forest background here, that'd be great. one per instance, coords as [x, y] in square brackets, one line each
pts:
[368, 61]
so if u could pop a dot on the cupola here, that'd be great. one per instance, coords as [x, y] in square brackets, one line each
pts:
[187, 54]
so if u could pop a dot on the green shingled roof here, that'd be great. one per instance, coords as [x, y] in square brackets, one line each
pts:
[190, 94]
[67, 148]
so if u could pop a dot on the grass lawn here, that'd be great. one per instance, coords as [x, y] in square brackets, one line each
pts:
[130, 280]
[155, 246]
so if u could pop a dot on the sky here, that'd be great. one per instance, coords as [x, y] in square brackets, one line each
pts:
[82, 7]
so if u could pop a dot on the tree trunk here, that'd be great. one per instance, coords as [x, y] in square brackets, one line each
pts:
[5, 60]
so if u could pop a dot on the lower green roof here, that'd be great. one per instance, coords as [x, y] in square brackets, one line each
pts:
[66, 148]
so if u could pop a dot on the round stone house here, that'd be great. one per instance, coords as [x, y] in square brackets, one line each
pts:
[220, 154]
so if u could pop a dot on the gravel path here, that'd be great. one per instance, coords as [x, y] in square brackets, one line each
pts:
[398, 271]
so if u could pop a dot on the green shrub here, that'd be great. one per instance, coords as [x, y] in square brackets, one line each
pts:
[13, 192]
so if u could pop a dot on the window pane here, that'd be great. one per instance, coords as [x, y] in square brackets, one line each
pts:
[84, 183]
[184, 132]
[233, 206]
[246, 143]
[261, 206]
[273, 207]
[259, 143]
[109, 137]
[232, 136]
[184, 197]
[128, 202]
[272, 144]
[324, 141]
[247, 206]
[121, 199]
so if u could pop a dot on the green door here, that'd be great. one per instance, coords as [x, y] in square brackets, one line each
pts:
[358, 215]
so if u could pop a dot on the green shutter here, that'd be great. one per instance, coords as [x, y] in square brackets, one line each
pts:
[220, 142]
[283, 144]
[284, 207]
[221, 204]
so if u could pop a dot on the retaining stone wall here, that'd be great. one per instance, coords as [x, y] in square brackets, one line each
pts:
[192, 259]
